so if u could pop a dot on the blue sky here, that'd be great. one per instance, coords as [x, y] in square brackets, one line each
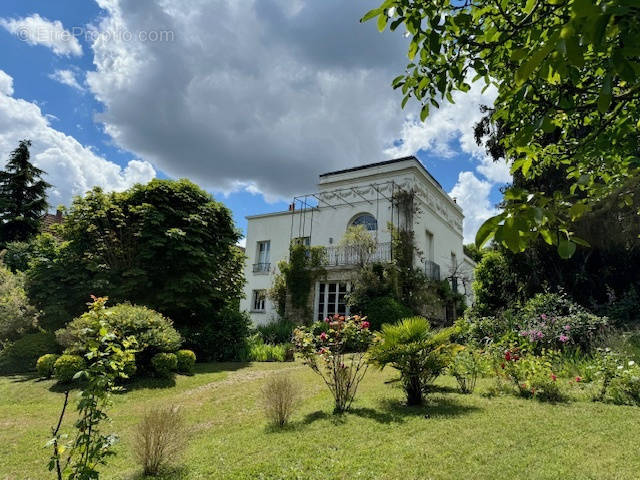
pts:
[251, 110]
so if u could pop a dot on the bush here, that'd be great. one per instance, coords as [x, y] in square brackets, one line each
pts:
[485, 330]
[532, 375]
[279, 396]
[624, 388]
[466, 367]
[153, 332]
[263, 352]
[164, 364]
[417, 352]
[66, 366]
[45, 365]
[277, 332]
[186, 361]
[551, 320]
[160, 438]
[223, 338]
[385, 310]
[17, 315]
[21, 356]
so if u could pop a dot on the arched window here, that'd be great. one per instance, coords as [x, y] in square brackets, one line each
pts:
[367, 220]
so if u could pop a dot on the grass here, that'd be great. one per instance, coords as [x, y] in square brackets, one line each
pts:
[464, 436]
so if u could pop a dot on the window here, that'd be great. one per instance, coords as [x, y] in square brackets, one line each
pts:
[306, 241]
[262, 255]
[259, 298]
[367, 220]
[331, 299]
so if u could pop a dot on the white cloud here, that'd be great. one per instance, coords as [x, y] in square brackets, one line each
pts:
[66, 77]
[472, 194]
[36, 30]
[6, 84]
[71, 167]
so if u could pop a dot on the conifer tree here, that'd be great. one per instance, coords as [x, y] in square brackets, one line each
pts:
[23, 197]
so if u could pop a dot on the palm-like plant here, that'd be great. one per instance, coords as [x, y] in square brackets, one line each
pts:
[417, 352]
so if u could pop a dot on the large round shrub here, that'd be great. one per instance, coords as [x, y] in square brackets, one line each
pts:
[21, 355]
[45, 365]
[153, 332]
[67, 366]
[186, 361]
[385, 310]
[164, 364]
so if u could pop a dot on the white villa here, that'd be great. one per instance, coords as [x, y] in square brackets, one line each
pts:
[356, 196]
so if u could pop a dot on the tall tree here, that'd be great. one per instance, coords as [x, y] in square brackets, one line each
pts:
[567, 73]
[23, 197]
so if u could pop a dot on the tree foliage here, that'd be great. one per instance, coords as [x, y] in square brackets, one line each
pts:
[23, 197]
[567, 73]
[166, 245]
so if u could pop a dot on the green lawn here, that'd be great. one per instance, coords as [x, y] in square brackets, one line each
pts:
[465, 436]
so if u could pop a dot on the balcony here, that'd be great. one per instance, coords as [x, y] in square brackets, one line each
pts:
[261, 267]
[432, 270]
[346, 256]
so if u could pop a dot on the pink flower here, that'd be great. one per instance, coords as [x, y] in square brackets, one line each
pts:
[563, 338]
[365, 324]
[323, 336]
[326, 320]
[578, 379]
[567, 327]
[543, 316]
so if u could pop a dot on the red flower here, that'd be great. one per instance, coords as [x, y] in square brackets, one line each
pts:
[553, 377]
[578, 379]
[507, 356]
[502, 364]
[323, 336]
[365, 324]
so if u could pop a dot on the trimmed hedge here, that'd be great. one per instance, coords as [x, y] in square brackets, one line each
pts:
[66, 366]
[186, 361]
[164, 364]
[45, 365]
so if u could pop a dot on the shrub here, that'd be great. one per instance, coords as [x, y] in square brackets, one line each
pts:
[153, 332]
[551, 320]
[21, 355]
[45, 365]
[466, 367]
[222, 338]
[624, 388]
[417, 352]
[487, 329]
[385, 310]
[325, 353]
[186, 360]
[279, 396]
[160, 438]
[17, 315]
[164, 364]
[66, 366]
[263, 352]
[532, 375]
[277, 332]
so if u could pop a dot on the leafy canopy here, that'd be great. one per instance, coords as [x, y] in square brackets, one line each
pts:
[567, 73]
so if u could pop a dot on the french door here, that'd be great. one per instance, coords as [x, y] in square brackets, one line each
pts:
[331, 299]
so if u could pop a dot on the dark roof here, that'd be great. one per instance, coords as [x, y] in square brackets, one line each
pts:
[379, 164]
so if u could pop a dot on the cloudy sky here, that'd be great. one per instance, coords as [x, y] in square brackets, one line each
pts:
[251, 99]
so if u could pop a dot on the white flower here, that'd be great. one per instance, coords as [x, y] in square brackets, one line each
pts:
[620, 367]
[631, 363]
[391, 12]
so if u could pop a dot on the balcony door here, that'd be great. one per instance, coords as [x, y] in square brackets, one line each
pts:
[331, 299]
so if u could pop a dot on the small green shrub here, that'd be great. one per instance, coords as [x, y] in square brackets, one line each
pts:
[385, 310]
[277, 332]
[532, 375]
[624, 388]
[467, 365]
[264, 352]
[186, 361]
[164, 364]
[45, 365]
[21, 356]
[66, 366]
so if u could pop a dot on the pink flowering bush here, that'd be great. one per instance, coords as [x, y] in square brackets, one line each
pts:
[326, 352]
[551, 320]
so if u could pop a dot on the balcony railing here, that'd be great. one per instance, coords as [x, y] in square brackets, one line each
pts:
[344, 256]
[261, 267]
[432, 270]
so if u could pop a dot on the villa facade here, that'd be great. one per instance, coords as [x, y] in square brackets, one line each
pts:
[356, 196]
